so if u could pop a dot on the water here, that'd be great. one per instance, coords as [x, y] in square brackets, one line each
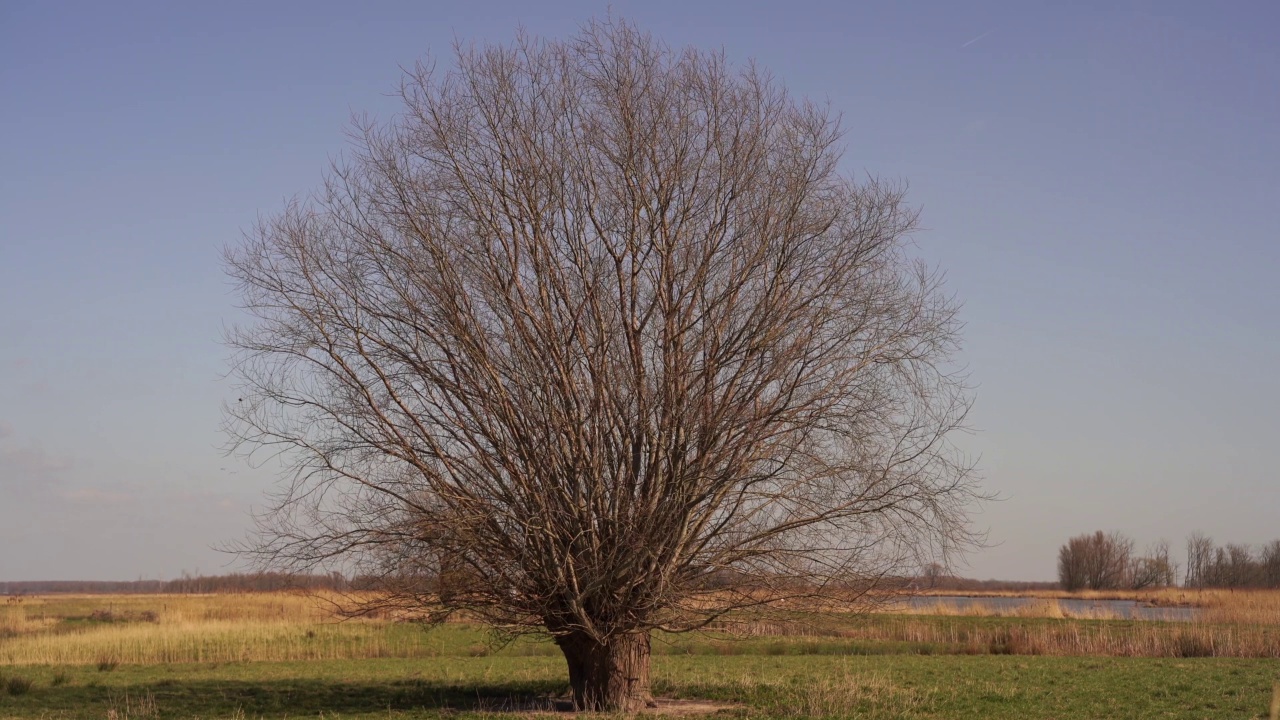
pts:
[1071, 607]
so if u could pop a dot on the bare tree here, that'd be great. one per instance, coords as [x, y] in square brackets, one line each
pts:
[1199, 560]
[592, 340]
[1154, 569]
[1100, 561]
[1071, 563]
[932, 573]
[1269, 558]
[1235, 566]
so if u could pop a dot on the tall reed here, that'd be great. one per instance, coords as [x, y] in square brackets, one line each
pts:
[89, 630]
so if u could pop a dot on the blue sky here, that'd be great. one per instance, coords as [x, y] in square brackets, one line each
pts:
[1100, 182]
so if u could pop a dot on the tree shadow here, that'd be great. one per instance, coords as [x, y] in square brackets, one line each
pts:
[311, 696]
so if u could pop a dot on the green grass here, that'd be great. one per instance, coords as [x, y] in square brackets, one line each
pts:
[986, 686]
[889, 686]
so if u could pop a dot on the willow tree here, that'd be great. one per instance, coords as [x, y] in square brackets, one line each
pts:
[594, 338]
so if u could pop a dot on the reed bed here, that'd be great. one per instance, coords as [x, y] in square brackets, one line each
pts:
[1065, 637]
[157, 629]
[284, 606]
[1213, 606]
[145, 629]
[1040, 608]
[1226, 624]
[1240, 606]
[1249, 599]
[210, 641]
[984, 636]
[16, 621]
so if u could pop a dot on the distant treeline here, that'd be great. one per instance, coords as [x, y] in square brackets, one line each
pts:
[233, 583]
[933, 579]
[960, 584]
[1107, 561]
[1233, 565]
[934, 576]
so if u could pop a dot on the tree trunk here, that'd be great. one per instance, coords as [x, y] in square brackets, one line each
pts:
[612, 676]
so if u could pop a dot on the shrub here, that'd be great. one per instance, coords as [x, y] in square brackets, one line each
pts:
[17, 685]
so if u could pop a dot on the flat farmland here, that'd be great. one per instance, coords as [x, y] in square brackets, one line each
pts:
[277, 655]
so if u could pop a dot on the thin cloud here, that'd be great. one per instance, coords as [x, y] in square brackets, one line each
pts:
[974, 40]
[6, 430]
[31, 468]
[95, 496]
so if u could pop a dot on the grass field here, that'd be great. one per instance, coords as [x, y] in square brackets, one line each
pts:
[281, 655]
[890, 686]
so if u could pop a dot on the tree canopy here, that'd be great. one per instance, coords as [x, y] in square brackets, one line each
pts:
[594, 338]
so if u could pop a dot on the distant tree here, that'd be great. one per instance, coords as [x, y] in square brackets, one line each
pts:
[1154, 569]
[591, 327]
[1199, 560]
[1100, 561]
[1269, 558]
[1235, 566]
[933, 572]
[1071, 564]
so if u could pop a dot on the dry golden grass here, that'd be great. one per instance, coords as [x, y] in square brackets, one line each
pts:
[1031, 636]
[16, 621]
[104, 629]
[211, 641]
[1240, 606]
[1039, 608]
[147, 629]
[175, 608]
[1214, 605]
[1225, 624]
